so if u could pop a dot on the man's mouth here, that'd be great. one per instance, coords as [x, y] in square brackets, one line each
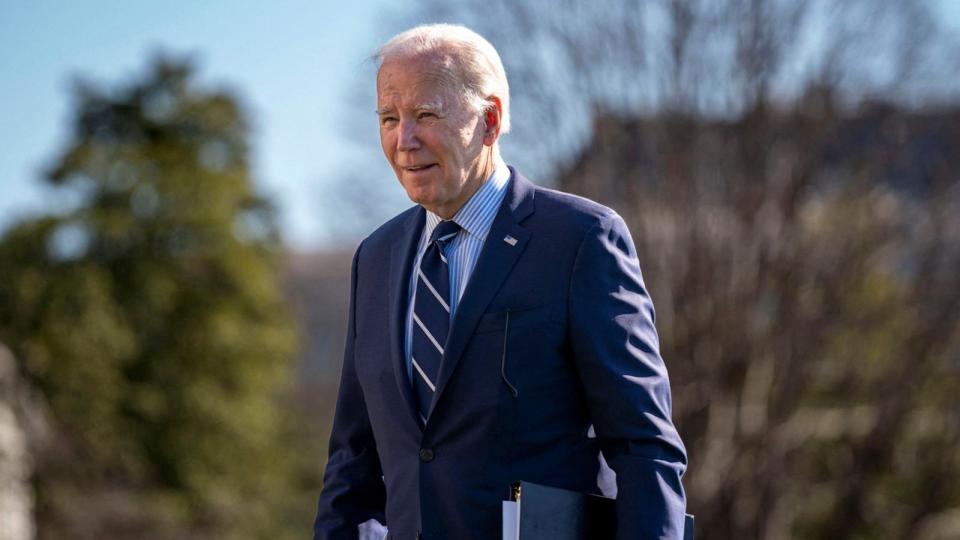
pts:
[418, 168]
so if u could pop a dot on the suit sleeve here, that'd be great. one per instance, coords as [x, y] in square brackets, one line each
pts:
[616, 351]
[353, 490]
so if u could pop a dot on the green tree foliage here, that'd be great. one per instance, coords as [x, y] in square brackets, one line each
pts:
[149, 313]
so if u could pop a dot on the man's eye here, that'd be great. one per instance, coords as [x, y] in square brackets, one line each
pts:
[387, 120]
[425, 114]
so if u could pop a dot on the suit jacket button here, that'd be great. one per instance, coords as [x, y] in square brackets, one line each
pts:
[426, 455]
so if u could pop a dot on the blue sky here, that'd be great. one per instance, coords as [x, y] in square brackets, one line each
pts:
[296, 64]
[293, 63]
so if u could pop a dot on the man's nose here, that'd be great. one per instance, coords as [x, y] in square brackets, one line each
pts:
[408, 139]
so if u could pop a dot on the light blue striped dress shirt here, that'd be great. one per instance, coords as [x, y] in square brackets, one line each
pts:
[462, 253]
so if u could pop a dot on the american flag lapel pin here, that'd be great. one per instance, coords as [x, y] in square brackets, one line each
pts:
[510, 240]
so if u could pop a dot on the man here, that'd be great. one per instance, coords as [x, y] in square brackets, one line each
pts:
[498, 331]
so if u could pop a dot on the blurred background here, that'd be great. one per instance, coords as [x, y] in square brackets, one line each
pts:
[182, 187]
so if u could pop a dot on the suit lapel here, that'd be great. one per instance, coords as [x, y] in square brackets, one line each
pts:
[401, 261]
[494, 264]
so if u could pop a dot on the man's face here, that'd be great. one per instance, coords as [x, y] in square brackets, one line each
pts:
[434, 142]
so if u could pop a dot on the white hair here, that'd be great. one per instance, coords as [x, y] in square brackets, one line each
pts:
[467, 63]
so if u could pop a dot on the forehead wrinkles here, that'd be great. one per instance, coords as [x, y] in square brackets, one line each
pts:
[415, 82]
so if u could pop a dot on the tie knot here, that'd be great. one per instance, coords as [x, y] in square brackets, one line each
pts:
[444, 232]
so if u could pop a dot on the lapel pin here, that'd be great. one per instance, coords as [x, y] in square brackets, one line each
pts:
[510, 240]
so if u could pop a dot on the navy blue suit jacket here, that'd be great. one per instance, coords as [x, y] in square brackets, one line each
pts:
[553, 333]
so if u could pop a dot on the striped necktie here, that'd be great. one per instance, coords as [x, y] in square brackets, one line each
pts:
[431, 316]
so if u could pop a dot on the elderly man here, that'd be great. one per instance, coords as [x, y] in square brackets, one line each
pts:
[498, 331]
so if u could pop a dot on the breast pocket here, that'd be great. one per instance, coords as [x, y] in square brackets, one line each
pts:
[502, 320]
[527, 346]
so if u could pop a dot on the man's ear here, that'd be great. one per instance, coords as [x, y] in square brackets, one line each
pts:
[491, 121]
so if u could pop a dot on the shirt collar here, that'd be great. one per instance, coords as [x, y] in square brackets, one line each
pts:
[478, 212]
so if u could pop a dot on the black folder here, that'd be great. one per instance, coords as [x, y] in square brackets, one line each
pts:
[549, 513]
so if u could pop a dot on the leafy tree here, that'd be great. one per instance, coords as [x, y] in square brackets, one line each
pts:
[148, 311]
